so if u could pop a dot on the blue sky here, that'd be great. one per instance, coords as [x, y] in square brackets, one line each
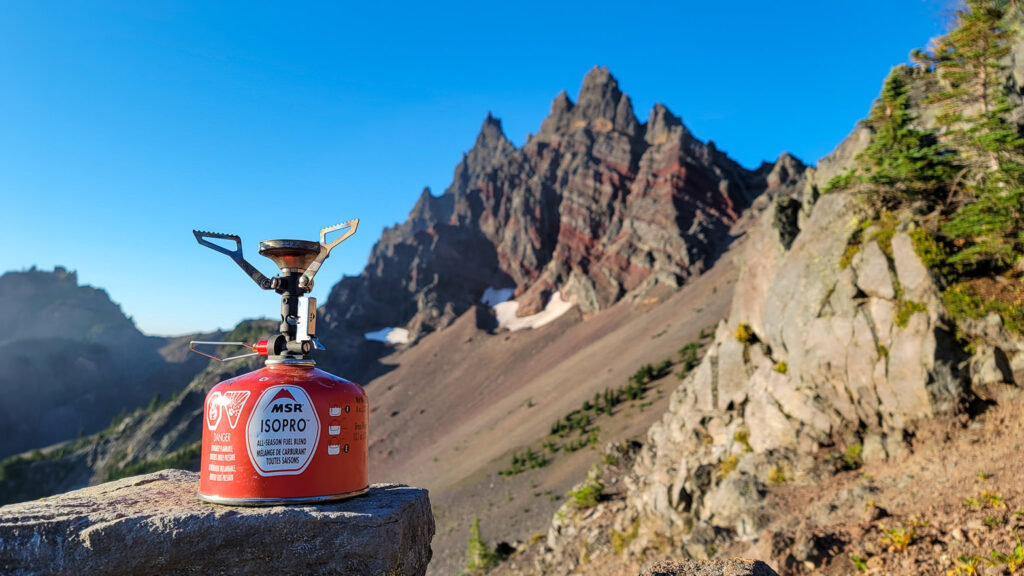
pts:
[125, 125]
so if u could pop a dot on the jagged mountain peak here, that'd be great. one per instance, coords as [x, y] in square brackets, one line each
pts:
[600, 107]
[599, 86]
[785, 169]
[599, 90]
[662, 124]
[560, 117]
[595, 206]
[491, 136]
[430, 210]
[491, 145]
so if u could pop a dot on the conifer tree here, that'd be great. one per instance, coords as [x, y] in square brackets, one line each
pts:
[902, 163]
[987, 219]
[479, 557]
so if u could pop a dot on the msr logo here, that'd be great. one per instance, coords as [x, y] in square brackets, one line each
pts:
[284, 407]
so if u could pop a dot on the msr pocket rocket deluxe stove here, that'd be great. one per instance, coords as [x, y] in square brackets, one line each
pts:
[288, 432]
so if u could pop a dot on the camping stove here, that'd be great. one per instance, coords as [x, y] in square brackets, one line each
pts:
[288, 432]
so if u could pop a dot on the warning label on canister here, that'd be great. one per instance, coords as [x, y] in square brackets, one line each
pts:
[282, 432]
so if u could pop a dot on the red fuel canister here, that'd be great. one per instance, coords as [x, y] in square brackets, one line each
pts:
[288, 432]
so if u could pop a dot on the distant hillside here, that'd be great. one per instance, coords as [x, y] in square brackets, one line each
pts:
[70, 360]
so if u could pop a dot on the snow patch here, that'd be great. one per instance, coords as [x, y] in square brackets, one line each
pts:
[505, 312]
[495, 296]
[389, 335]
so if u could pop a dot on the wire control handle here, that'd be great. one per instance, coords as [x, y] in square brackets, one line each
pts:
[259, 349]
[236, 255]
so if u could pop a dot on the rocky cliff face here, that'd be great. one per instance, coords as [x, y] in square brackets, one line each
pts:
[70, 360]
[815, 358]
[836, 351]
[597, 205]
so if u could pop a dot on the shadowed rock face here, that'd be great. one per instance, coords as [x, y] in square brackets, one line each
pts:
[70, 360]
[596, 204]
[154, 524]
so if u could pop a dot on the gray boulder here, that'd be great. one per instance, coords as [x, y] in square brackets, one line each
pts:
[873, 275]
[154, 524]
[734, 567]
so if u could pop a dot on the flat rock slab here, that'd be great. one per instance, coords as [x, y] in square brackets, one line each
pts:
[154, 524]
[734, 567]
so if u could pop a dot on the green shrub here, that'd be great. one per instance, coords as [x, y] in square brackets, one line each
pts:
[648, 373]
[852, 457]
[115, 422]
[781, 367]
[884, 230]
[932, 252]
[898, 538]
[965, 565]
[688, 355]
[183, 458]
[577, 420]
[580, 420]
[689, 350]
[523, 461]
[905, 309]
[479, 556]
[1013, 561]
[590, 439]
[744, 334]
[962, 302]
[777, 475]
[742, 437]
[622, 540]
[587, 494]
[994, 521]
[725, 467]
[840, 181]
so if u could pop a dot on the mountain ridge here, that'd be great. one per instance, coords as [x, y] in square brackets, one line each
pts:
[596, 204]
[71, 360]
